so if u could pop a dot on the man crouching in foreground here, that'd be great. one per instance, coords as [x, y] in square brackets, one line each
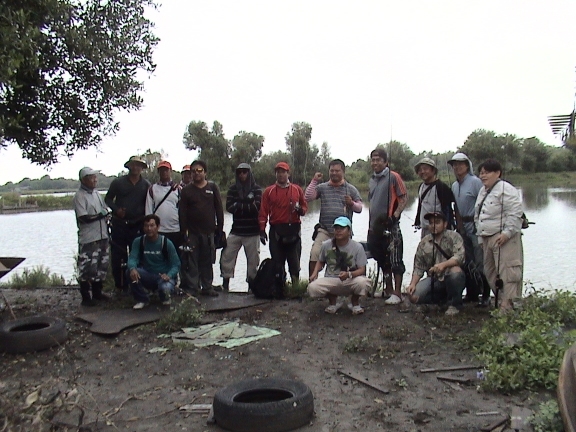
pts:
[345, 270]
[153, 264]
[440, 254]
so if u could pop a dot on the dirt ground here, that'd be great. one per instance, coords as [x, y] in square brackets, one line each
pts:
[119, 385]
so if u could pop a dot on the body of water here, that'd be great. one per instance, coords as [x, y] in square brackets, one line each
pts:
[50, 239]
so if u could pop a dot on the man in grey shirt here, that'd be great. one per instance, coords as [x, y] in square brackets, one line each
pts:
[92, 221]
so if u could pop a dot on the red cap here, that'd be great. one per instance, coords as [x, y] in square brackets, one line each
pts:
[282, 165]
[165, 164]
[186, 168]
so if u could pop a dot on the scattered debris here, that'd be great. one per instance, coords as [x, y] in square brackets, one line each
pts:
[519, 419]
[494, 425]
[450, 368]
[157, 349]
[487, 413]
[364, 381]
[225, 334]
[454, 379]
[196, 408]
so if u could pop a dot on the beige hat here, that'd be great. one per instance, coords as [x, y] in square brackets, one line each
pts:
[425, 161]
[136, 159]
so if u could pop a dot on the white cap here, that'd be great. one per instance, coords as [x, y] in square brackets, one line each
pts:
[86, 171]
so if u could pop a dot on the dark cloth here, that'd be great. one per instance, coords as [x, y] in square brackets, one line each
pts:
[445, 197]
[388, 250]
[282, 252]
[175, 238]
[201, 209]
[122, 236]
[243, 201]
[196, 271]
[132, 197]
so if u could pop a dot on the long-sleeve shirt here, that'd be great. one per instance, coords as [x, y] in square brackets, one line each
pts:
[88, 202]
[501, 211]
[152, 258]
[427, 255]
[201, 209]
[278, 205]
[332, 201]
[465, 193]
[168, 210]
[244, 210]
[124, 194]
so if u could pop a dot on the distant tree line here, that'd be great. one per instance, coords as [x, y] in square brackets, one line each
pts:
[518, 155]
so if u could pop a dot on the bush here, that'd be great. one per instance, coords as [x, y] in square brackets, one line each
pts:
[548, 418]
[185, 314]
[36, 277]
[296, 290]
[523, 349]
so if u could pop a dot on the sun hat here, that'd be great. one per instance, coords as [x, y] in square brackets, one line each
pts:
[86, 171]
[425, 161]
[137, 159]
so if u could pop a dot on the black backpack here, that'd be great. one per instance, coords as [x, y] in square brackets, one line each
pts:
[269, 281]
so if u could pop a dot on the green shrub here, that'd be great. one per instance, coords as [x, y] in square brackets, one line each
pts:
[548, 418]
[296, 290]
[38, 276]
[185, 314]
[523, 349]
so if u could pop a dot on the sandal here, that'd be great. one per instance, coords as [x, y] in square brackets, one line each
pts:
[332, 309]
[357, 310]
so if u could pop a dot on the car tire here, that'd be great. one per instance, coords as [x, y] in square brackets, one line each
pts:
[264, 405]
[34, 333]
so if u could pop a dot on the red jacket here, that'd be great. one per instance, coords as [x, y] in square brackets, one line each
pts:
[278, 205]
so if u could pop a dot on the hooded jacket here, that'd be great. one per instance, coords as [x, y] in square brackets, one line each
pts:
[243, 201]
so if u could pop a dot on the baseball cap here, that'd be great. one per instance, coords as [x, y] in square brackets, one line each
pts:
[342, 221]
[459, 157]
[186, 168]
[431, 215]
[164, 164]
[425, 161]
[282, 165]
[86, 171]
[136, 159]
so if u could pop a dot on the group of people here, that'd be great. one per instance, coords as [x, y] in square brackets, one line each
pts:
[168, 231]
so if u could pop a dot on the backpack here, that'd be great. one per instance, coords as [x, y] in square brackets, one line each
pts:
[164, 249]
[269, 281]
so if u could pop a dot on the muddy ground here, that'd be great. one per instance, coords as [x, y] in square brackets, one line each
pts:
[118, 385]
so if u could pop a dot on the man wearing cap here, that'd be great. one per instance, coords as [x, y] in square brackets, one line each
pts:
[388, 197]
[282, 206]
[433, 195]
[337, 198]
[127, 199]
[345, 272]
[186, 176]
[243, 201]
[441, 255]
[201, 216]
[92, 221]
[162, 199]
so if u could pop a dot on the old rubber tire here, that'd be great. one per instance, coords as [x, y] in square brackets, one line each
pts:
[264, 405]
[34, 333]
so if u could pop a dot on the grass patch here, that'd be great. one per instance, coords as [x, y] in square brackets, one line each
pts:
[357, 344]
[186, 314]
[523, 349]
[547, 418]
[296, 290]
[38, 276]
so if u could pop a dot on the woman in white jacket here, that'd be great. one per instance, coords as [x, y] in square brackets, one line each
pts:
[498, 220]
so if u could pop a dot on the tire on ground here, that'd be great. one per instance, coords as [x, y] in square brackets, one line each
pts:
[264, 405]
[34, 333]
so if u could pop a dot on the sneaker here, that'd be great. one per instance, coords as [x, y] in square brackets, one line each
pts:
[139, 305]
[332, 309]
[210, 292]
[393, 300]
[167, 302]
[350, 306]
[378, 294]
[357, 310]
[451, 311]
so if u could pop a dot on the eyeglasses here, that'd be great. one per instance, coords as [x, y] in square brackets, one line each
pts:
[198, 170]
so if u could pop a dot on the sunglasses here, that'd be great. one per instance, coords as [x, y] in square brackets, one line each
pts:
[198, 170]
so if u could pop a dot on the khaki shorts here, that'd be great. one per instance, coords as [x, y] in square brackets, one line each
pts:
[322, 236]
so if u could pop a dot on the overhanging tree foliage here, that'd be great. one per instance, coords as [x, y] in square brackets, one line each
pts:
[66, 68]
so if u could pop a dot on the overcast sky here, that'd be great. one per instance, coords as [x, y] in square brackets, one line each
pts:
[426, 73]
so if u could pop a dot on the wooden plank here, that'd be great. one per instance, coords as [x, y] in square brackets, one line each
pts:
[364, 381]
[450, 368]
[454, 379]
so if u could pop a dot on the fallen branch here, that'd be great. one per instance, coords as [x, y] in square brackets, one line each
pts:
[494, 425]
[364, 381]
[454, 379]
[450, 368]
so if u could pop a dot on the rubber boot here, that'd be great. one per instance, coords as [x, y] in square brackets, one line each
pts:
[226, 284]
[85, 293]
[97, 293]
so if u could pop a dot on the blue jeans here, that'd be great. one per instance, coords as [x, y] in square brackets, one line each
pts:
[152, 282]
[449, 290]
